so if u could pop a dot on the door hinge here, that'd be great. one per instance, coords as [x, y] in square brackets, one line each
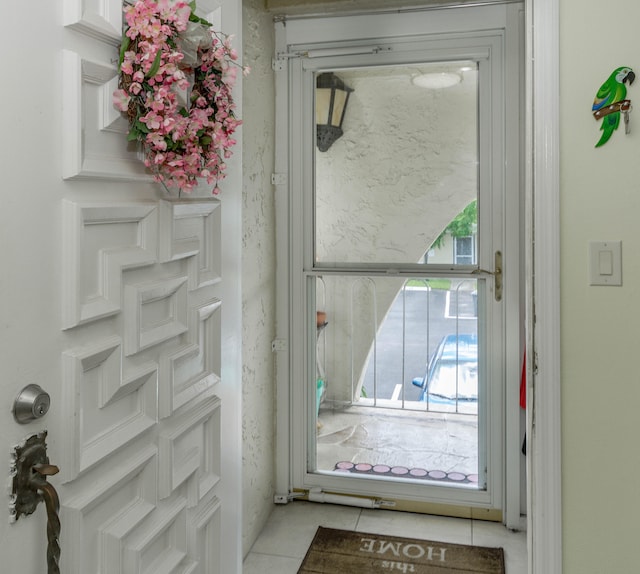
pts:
[278, 179]
[278, 345]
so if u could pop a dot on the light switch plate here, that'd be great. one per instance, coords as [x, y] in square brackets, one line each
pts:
[605, 263]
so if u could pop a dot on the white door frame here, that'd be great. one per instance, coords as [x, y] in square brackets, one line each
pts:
[543, 271]
[543, 183]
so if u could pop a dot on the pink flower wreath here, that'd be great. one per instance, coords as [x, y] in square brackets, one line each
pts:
[163, 44]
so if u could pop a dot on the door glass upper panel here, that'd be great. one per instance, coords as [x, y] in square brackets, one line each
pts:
[400, 185]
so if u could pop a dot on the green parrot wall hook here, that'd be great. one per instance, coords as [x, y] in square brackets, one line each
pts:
[610, 102]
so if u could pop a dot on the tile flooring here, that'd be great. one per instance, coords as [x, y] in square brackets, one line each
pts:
[283, 543]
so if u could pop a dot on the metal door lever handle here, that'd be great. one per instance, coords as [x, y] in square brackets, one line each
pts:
[46, 469]
[30, 468]
[52, 504]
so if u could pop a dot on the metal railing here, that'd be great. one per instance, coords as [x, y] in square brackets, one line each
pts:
[441, 313]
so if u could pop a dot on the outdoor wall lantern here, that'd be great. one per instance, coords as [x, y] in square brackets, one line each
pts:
[332, 95]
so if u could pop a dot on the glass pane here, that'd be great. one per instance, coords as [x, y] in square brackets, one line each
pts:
[405, 168]
[397, 378]
[464, 253]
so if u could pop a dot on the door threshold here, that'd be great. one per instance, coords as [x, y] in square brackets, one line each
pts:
[417, 507]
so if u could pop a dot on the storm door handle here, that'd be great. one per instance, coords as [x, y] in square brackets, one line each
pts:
[497, 274]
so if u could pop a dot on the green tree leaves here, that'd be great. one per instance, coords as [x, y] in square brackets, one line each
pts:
[462, 224]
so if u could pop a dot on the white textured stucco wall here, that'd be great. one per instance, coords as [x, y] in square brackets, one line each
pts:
[258, 270]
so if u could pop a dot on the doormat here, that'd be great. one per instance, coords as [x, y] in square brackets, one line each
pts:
[404, 472]
[339, 551]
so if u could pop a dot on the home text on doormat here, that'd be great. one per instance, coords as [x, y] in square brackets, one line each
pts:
[338, 551]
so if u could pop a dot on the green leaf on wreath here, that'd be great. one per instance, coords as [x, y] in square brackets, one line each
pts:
[126, 41]
[197, 19]
[206, 140]
[132, 135]
[141, 127]
[155, 66]
[183, 112]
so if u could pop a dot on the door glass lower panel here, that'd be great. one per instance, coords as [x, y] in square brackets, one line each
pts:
[397, 385]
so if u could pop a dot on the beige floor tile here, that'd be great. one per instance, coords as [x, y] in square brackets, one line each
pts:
[496, 535]
[291, 527]
[267, 564]
[287, 535]
[422, 526]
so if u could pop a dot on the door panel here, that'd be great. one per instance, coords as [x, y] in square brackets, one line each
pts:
[406, 165]
[380, 200]
[120, 304]
[370, 413]
[392, 191]
[93, 138]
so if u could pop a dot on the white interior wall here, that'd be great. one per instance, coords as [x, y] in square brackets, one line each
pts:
[600, 201]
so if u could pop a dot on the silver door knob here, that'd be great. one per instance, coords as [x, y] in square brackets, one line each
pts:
[31, 404]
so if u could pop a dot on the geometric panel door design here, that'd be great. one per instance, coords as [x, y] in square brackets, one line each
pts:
[103, 409]
[101, 240]
[118, 303]
[143, 282]
[95, 132]
[140, 439]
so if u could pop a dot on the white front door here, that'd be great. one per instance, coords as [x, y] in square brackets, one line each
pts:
[118, 300]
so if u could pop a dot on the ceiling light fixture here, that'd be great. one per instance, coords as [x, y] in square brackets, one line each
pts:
[436, 80]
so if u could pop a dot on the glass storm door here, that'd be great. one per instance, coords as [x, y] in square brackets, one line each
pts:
[397, 264]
